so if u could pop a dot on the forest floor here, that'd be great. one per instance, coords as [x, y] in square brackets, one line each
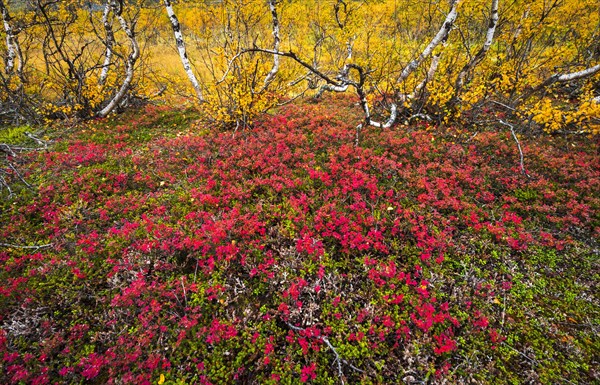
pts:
[151, 248]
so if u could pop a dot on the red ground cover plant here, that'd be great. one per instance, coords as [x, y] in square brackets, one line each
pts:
[285, 254]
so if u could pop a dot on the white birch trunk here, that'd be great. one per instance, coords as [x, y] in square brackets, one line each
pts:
[435, 62]
[181, 49]
[579, 74]
[131, 60]
[464, 74]
[12, 45]
[558, 78]
[341, 76]
[110, 39]
[391, 120]
[276, 42]
[440, 37]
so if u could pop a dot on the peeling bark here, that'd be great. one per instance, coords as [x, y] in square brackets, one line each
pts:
[182, 50]
[130, 64]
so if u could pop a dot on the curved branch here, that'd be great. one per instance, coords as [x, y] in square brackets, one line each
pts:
[294, 57]
[558, 78]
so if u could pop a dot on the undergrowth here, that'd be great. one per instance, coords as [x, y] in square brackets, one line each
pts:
[156, 249]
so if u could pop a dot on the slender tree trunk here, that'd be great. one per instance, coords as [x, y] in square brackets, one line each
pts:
[12, 44]
[439, 38]
[109, 42]
[129, 68]
[181, 48]
[557, 78]
[277, 40]
[465, 74]
[433, 66]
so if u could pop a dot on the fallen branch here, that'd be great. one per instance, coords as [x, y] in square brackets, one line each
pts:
[37, 140]
[35, 247]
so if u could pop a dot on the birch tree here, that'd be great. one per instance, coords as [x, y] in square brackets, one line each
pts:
[109, 42]
[179, 42]
[465, 74]
[13, 49]
[117, 8]
[439, 38]
[276, 42]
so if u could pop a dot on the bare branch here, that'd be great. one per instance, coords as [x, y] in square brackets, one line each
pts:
[35, 247]
[338, 360]
[558, 78]
[37, 140]
[336, 9]
[292, 56]
[514, 135]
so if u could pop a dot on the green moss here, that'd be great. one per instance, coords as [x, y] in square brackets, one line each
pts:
[14, 135]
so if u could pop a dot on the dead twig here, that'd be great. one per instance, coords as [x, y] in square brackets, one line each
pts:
[514, 135]
[34, 247]
[338, 360]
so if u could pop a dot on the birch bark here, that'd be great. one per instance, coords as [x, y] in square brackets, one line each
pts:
[465, 73]
[276, 42]
[110, 40]
[13, 50]
[440, 37]
[130, 64]
[182, 50]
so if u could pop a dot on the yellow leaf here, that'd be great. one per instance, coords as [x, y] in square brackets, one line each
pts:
[161, 380]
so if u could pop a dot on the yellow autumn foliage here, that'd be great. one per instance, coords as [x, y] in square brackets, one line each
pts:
[535, 40]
